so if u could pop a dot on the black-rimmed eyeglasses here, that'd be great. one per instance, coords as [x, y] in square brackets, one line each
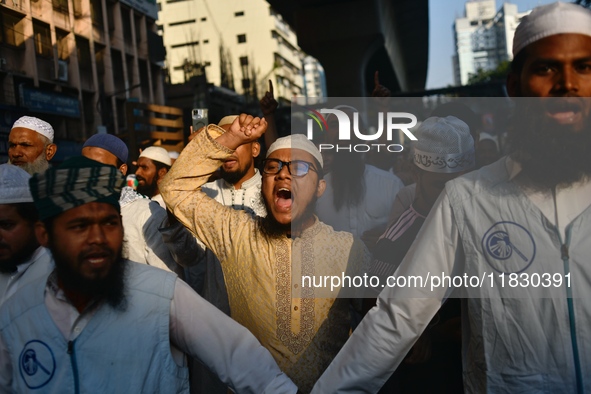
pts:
[295, 167]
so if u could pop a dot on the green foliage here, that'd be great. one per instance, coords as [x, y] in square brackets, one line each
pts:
[498, 74]
[584, 3]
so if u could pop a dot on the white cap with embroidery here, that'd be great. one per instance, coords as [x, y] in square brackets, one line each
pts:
[549, 20]
[35, 124]
[14, 185]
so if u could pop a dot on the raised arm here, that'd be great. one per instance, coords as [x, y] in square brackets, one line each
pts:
[213, 223]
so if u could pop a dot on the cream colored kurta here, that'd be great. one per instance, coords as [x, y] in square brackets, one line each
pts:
[303, 333]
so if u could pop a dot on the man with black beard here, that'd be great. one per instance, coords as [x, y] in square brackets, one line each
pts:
[523, 218]
[99, 323]
[153, 163]
[22, 259]
[264, 259]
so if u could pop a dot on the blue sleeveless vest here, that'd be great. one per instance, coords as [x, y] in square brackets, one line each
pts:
[117, 352]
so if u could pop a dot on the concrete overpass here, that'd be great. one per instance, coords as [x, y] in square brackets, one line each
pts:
[354, 38]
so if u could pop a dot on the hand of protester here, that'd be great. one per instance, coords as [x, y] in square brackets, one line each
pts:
[379, 90]
[245, 129]
[268, 103]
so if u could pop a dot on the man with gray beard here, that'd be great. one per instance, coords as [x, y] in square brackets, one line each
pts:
[30, 144]
[523, 218]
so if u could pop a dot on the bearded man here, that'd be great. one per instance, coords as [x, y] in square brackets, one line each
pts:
[99, 323]
[264, 259]
[524, 217]
[22, 259]
[30, 144]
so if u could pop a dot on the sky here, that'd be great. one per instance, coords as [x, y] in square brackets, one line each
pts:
[442, 14]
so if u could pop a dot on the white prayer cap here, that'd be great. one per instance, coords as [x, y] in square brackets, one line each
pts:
[173, 154]
[444, 145]
[227, 120]
[35, 124]
[296, 141]
[14, 185]
[549, 20]
[157, 153]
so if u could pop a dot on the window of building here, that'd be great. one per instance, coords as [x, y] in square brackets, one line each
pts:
[42, 39]
[206, 41]
[244, 60]
[83, 52]
[11, 30]
[241, 38]
[111, 16]
[63, 50]
[239, 13]
[60, 6]
[188, 21]
[203, 19]
[96, 12]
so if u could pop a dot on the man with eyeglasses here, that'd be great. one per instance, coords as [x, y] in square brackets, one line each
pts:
[264, 259]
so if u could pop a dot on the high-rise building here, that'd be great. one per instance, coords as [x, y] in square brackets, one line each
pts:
[314, 79]
[241, 45]
[75, 63]
[483, 38]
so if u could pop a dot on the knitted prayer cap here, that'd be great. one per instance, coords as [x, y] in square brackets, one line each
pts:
[110, 143]
[444, 145]
[77, 181]
[35, 124]
[157, 153]
[14, 185]
[296, 141]
[549, 20]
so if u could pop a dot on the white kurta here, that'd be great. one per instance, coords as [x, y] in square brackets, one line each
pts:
[522, 339]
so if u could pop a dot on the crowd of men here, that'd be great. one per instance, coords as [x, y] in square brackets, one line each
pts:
[193, 280]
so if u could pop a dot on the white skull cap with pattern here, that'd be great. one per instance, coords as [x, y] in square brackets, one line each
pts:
[444, 145]
[14, 185]
[227, 120]
[35, 124]
[551, 19]
[296, 141]
[157, 153]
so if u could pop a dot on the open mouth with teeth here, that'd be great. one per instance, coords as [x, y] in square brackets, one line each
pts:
[283, 198]
[97, 259]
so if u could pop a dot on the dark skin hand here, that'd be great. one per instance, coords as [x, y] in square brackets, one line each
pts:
[268, 106]
[379, 90]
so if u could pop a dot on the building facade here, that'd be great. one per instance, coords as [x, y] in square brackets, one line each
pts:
[314, 78]
[75, 63]
[483, 38]
[240, 44]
